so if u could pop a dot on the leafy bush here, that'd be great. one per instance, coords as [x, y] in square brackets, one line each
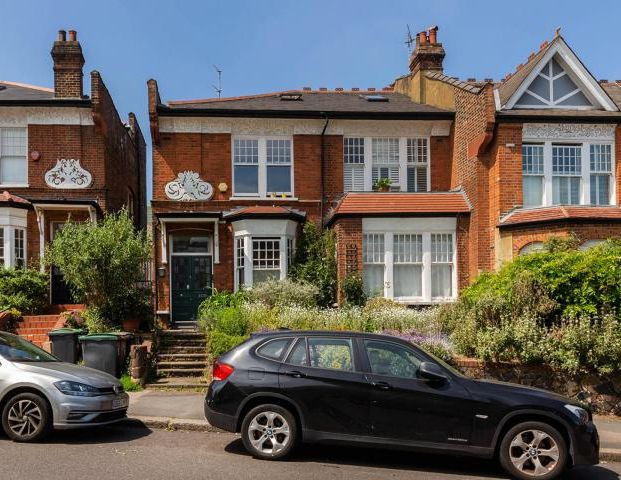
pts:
[104, 263]
[278, 293]
[26, 290]
[129, 385]
[96, 322]
[220, 342]
[380, 303]
[210, 309]
[353, 290]
[315, 262]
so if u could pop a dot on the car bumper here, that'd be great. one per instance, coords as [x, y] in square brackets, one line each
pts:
[585, 448]
[76, 412]
[220, 420]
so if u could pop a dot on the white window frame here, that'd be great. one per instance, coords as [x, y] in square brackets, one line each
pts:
[403, 160]
[12, 219]
[15, 185]
[262, 168]
[585, 174]
[248, 262]
[390, 227]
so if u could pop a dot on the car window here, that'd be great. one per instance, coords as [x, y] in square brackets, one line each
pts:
[15, 349]
[391, 359]
[298, 353]
[333, 353]
[274, 349]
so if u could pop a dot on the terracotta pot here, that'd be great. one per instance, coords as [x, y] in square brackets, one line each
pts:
[131, 324]
[383, 189]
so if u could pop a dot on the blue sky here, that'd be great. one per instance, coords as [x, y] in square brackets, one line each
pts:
[269, 45]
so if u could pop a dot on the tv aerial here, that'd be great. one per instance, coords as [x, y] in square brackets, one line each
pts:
[409, 40]
[218, 88]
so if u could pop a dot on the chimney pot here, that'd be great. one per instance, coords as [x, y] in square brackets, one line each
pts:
[603, 80]
[73, 35]
[339, 89]
[371, 89]
[62, 35]
[323, 89]
[433, 34]
[307, 89]
[543, 45]
[531, 56]
[355, 89]
[519, 67]
[489, 80]
[422, 37]
[471, 79]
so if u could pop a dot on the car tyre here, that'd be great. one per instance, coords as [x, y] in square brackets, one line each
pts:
[26, 418]
[533, 451]
[269, 432]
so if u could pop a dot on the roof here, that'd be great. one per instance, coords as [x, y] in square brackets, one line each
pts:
[13, 93]
[401, 204]
[310, 102]
[472, 87]
[11, 200]
[264, 211]
[579, 213]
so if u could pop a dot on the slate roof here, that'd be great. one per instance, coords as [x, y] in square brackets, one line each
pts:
[21, 91]
[400, 203]
[311, 101]
[582, 213]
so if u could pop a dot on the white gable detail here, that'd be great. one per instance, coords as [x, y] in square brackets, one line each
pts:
[560, 80]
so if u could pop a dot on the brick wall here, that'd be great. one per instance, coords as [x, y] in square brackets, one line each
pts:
[348, 249]
[440, 154]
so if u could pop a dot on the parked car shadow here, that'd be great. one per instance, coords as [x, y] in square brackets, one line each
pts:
[422, 462]
[93, 435]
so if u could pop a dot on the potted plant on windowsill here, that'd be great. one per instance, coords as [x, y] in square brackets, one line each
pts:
[383, 185]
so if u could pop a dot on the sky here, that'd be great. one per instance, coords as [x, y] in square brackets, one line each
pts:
[271, 45]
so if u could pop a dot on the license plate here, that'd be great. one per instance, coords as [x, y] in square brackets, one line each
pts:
[120, 402]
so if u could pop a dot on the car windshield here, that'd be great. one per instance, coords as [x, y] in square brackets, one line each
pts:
[16, 349]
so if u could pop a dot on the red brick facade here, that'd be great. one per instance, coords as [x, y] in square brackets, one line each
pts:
[86, 129]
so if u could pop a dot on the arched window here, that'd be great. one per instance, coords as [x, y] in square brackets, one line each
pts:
[532, 247]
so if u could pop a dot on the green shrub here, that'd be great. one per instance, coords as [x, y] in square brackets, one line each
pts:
[102, 263]
[211, 306]
[129, 385]
[96, 322]
[220, 342]
[352, 288]
[279, 293]
[315, 262]
[26, 290]
[380, 303]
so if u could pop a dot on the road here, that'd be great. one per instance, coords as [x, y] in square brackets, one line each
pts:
[120, 453]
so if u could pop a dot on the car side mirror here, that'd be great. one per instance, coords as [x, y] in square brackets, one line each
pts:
[431, 371]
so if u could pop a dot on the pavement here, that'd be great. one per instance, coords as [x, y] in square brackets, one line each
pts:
[122, 452]
[184, 411]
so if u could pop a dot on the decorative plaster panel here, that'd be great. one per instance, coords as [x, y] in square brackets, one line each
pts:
[281, 126]
[23, 116]
[68, 174]
[188, 186]
[568, 131]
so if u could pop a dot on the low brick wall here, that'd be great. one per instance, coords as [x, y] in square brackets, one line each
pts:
[602, 392]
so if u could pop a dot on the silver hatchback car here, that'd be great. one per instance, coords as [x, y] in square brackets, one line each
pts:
[38, 392]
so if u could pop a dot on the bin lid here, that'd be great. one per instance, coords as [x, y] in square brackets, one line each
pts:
[124, 335]
[65, 331]
[99, 337]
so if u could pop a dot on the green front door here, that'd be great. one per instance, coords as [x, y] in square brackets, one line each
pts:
[190, 285]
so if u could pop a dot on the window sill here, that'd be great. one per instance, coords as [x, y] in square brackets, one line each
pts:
[420, 301]
[14, 185]
[270, 199]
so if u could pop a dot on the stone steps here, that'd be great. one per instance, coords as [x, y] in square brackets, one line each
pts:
[181, 357]
[181, 354]
[35, 328]
[179, 383]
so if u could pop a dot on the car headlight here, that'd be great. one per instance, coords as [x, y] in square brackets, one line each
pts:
[77, 389]
[580, 413]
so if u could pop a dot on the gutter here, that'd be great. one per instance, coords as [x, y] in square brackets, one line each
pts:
[321, 164]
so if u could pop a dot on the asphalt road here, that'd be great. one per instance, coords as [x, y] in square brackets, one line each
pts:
[120, 453]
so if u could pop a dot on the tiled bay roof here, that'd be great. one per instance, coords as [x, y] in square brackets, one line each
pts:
[524, 216]
[264, 211]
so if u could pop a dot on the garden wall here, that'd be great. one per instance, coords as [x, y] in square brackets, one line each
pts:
[602, 392]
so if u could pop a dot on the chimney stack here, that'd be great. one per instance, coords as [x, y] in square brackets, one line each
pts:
[428, 54]
[68, 63]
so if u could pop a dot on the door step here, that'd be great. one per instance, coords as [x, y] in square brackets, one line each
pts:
[178, 383]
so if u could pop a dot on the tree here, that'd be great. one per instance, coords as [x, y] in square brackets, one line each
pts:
[102, 263]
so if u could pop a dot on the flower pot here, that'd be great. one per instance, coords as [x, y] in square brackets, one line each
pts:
[131, 324]
[383, 189]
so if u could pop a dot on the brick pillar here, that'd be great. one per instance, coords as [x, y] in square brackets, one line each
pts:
[68, 63]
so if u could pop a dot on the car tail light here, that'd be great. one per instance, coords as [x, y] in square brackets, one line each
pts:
[221, 371]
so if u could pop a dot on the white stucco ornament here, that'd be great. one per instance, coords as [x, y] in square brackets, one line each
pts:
[188, 187]
[68, 174]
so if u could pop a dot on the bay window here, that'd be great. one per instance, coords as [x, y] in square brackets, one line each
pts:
[262, 167]
[265, 259]
[411, 261]
[240, 261]
[555, 173]
[404, 161]
[19, 252]
[13, 237]
[13, 159]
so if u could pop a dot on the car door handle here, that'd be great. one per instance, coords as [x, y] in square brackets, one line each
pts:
[295, 374]
[381, 385]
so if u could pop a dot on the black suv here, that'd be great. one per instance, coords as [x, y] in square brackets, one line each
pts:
[284, 387]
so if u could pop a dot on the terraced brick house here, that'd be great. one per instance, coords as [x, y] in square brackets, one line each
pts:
[478, 172]
[63, 155]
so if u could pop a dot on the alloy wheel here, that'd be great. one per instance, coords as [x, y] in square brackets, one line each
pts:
[269, 432]
[24, 418]
[534, 453]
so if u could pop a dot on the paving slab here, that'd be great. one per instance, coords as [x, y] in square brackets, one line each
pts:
[183, 405]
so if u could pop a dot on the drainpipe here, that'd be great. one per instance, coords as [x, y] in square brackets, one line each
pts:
[321, 164]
